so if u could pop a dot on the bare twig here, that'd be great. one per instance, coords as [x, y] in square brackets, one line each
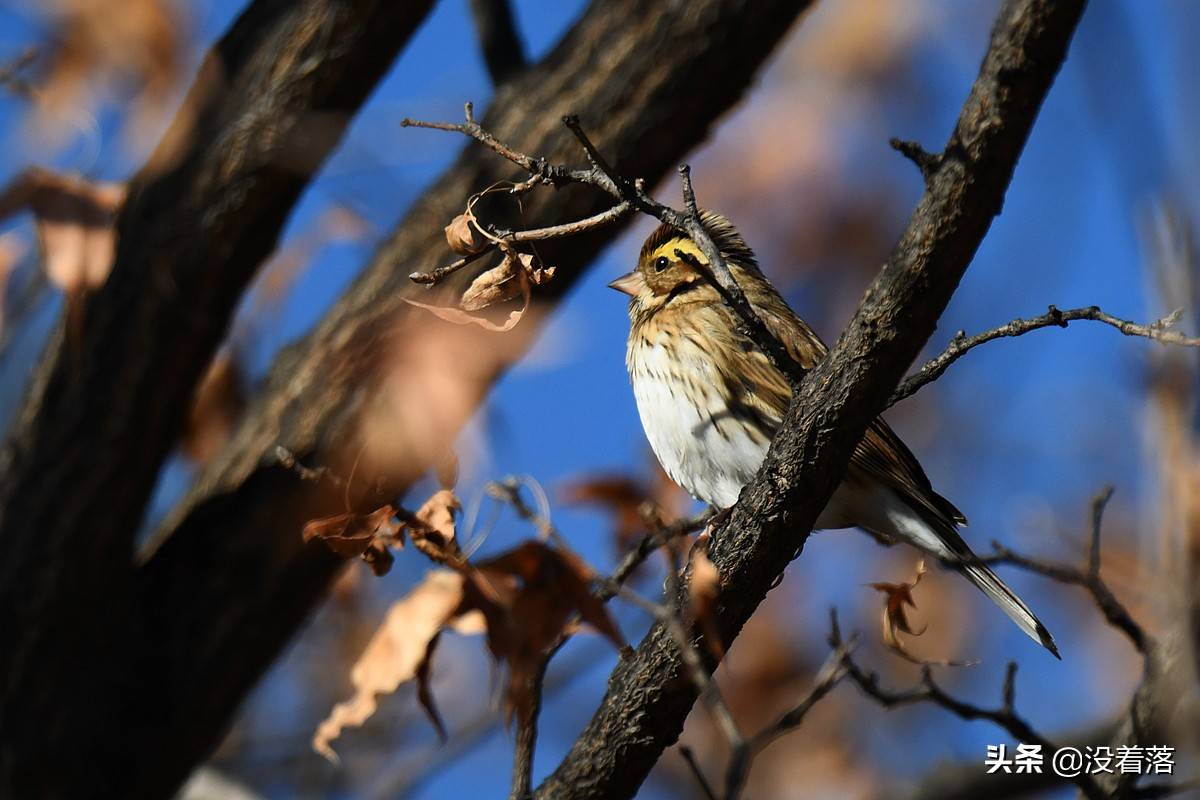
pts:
[527, 731]
[660, 537]
[928, 691]
[690, 758]
[927, 162]
[1087, 577]
[10, 72]
[961, 343]
[830, 674]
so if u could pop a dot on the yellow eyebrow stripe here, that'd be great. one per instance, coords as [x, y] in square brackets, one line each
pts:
[683, 245]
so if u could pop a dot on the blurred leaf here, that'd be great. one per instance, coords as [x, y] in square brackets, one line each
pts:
[703, 591]
[432, 529]
[219, 401]
[132, 45]
[894, 619]
[366, 536]
[74, 220]
[528, 596]
[464, 237]
[398, 652]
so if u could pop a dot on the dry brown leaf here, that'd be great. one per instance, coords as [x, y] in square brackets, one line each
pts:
[366, 536]
[528, 596]
[523, 600]
[74, 221]
[399, 651]
[127, 44]
[703, 591]
[495, 285]
[465, 237]
[894, 619]
[219, 401]
[433, 530]
[621, 495]
[509, 279]
[459, 317]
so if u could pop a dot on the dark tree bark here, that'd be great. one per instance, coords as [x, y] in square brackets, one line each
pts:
[649, 695]
[112, 392]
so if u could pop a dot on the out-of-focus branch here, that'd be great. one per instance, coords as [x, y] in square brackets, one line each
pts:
[1163, 680]
[227, 581]
[933, 369]
[966, 781]
[501, 44]
[928, 691]
[648, 696]
[11, 77]
[1087, 577]
[200, 217]
[742, 758]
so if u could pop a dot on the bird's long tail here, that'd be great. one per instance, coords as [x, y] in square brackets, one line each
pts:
[940, 538]
[991, 585]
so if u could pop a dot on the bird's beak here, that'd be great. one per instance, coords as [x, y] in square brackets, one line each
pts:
[631, 283]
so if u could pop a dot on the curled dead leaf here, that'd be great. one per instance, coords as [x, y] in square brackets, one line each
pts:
[524, 600]
[74, 221]
[529, 596]
[894, 619]
[703, 591]
[366, 536]
[432, 528]
[400, 651]
[460, 317]
[495, 285]
[464, 236]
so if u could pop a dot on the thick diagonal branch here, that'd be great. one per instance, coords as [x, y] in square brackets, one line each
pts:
[647, 700]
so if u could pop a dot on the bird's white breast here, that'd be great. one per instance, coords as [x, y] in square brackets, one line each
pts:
[699, 443]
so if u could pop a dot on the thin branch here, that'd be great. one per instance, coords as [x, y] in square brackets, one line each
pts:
[830, 674]
[502, 50]
[961, 343]
[928, 691]
[690, 758]
[10, 72]
[527, 731]
[927, 162]
[1087, 577]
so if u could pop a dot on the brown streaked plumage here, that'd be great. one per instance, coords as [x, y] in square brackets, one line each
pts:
[710, 401]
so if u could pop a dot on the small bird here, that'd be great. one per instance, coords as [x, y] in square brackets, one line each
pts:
[710, 402]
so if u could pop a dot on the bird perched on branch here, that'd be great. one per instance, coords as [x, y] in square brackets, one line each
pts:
[710, 401]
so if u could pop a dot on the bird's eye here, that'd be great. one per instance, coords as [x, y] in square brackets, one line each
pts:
[661, 263]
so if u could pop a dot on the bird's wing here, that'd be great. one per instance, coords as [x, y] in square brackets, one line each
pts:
[880, 456]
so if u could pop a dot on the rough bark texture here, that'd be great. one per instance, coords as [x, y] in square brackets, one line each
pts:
[227, 581]
[648, 696]
[112, 392]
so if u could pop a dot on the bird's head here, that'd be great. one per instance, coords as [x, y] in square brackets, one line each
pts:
[671, 265]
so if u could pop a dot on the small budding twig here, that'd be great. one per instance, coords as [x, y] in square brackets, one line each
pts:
[928, 691]
[961, 343]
